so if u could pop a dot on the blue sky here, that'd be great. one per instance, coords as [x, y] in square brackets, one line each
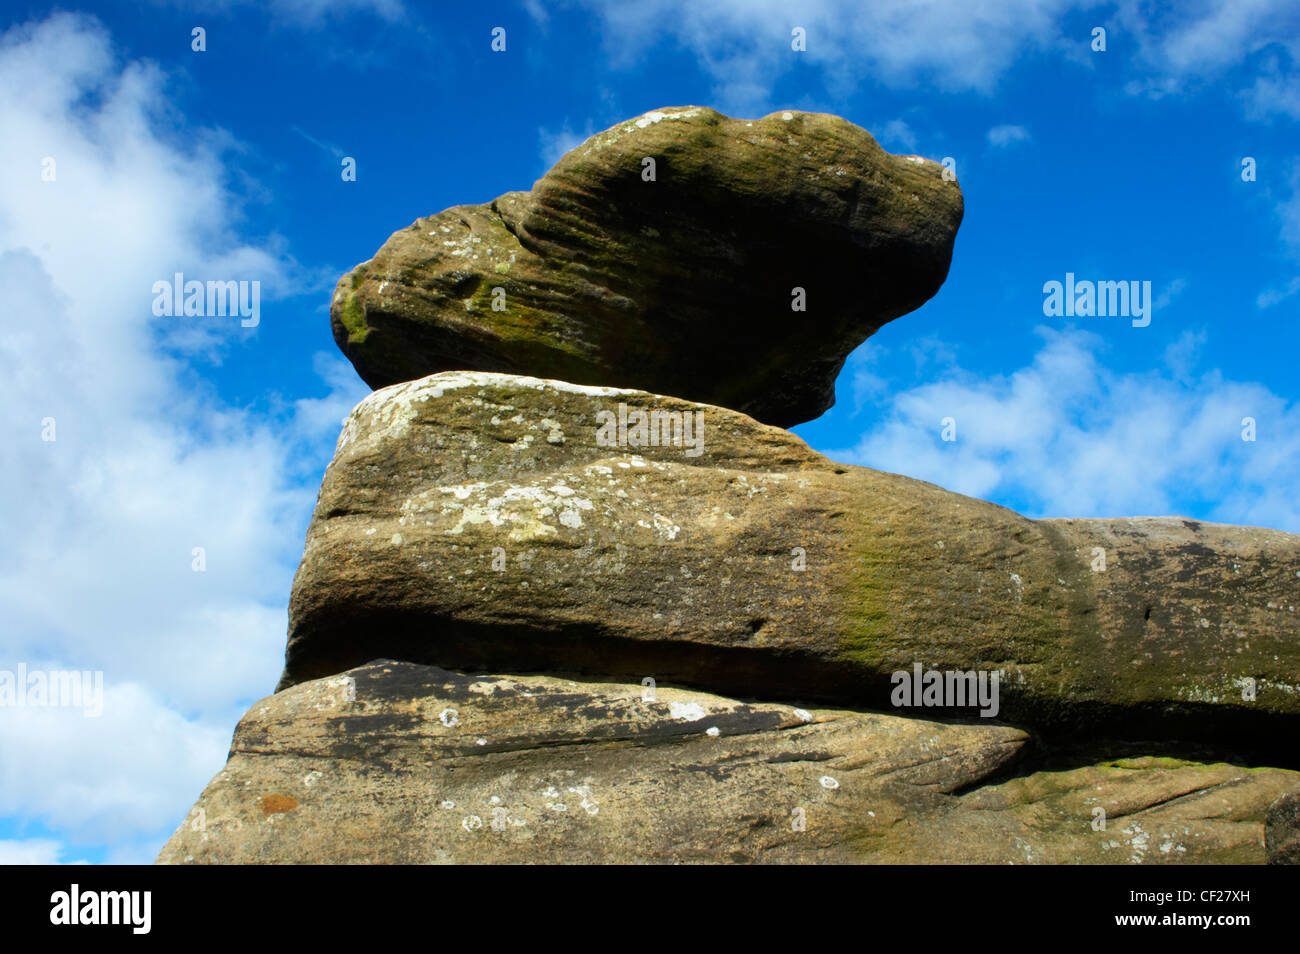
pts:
[1117, 165]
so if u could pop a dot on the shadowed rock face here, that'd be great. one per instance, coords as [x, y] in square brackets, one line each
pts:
[400, 763]
[679, 286]
[1282, 830]
[475, 521]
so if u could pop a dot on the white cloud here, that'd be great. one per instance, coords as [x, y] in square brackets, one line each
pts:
[1205, 38]
[1066, 436]
[1182, 356]
[1288, 211]
[320, 418]
[325, 147]
[745, 44]
[136, 768]
[1007, 135]
[148, 463]
[311, 11]
[1168, 294]
[552, 145]
[1189, 46]
[1276, 92]
[306, 13]
[897, 136]
[31, 851]
[954, 45]
[1275, 296]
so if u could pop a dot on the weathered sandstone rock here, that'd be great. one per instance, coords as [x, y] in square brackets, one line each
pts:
[1282, 834]
[681, 285]
[475, 521]
[401, 763]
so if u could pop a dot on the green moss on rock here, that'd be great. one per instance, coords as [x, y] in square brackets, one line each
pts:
[354, 318]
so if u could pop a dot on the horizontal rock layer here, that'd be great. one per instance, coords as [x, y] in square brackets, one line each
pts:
[476, 521]
[401, 763]
[682, 285]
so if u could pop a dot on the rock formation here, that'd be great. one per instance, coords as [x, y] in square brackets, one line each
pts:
[475, 520]
[547, 614]
[683, 284]
[400, 763]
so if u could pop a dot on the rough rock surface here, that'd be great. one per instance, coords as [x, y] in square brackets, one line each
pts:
[474, 521]
[682, 285]
[402, 763]
[1282, 835]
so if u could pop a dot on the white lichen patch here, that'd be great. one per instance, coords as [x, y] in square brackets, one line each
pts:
[686, 711]
[386, 414]
[587, 802]
[565, 502]
[658, 116]
[333, 692]
[610, 136]
[1138, 841]
[394, 401]
[661, 525]
[526, 510]
[554, 432]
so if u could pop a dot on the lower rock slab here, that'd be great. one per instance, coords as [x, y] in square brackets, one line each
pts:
[411, 764]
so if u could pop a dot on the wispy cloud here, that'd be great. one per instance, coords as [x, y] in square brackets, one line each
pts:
[553, 144]
[746, 44]
[1066, 436]
[307, 13]
[330, 148]
[1189, 47]
[897, 136]
[31, 851]
[1275, 296]
[955, 45]
[1287, 210]
[1002, 136]
[1275, 92]
[1169, 293]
